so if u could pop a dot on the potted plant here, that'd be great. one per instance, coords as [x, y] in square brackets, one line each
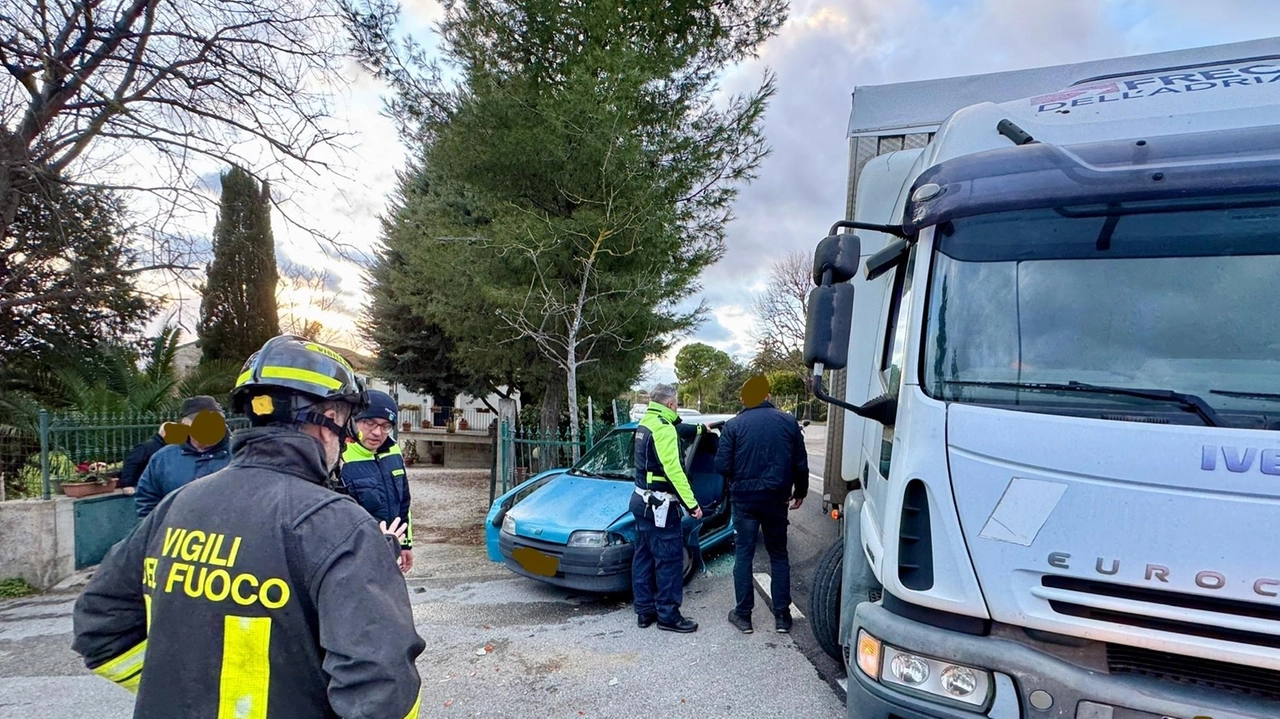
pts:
[405, 425]
[409, 451]
[462, 424]
[90, 478]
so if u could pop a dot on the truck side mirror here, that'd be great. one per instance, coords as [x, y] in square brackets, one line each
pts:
[890, 257]
[826, 335]
[839, 255]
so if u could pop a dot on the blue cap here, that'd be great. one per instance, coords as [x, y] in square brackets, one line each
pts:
[381, 406]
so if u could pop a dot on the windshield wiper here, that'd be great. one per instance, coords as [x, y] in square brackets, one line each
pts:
[1187, 401]
[601, 475]
[1246, 395]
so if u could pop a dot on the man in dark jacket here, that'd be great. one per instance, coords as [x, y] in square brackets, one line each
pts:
[137, 460]
[179, 464]
[373, 470]
[762, 455]
[256, 591]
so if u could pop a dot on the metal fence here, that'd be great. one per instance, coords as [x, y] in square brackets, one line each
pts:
[33, 464]
[525, 452]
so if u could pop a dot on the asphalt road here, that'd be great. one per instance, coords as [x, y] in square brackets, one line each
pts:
[505, 646]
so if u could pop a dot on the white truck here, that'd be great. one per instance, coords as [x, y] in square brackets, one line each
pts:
[1053, 327]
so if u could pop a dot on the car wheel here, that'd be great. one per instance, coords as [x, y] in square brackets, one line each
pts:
[688, 565]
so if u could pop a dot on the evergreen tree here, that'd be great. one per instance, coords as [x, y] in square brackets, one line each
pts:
[238, 313]
[577, 181]
[67, 277]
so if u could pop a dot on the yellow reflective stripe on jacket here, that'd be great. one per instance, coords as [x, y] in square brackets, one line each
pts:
[417, 706]
[408, 532]
[246, 668]
[126, 669]
[666, 444]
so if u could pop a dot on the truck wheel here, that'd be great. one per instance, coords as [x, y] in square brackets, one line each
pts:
[824, 600]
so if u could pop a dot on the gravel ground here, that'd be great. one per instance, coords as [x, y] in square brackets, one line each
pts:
[498, 645]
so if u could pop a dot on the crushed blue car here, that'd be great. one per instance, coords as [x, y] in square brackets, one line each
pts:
[572, 527]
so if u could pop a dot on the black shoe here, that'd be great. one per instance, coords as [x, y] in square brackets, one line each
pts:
[743, 624]
[783, 623]
[684, 626]
[644, 620]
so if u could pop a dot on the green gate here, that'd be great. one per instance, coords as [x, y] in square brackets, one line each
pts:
[68, 441]
[100, 522]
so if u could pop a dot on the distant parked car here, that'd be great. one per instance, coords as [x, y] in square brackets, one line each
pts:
[572, 527]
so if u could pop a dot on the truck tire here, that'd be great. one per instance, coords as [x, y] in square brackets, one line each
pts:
[824, 600]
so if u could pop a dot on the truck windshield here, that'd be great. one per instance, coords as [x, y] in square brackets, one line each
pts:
[1026, 307]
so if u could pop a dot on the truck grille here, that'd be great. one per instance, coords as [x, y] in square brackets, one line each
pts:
[1084, 594]
[1237, 678]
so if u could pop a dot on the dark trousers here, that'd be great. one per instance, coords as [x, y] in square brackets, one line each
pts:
[657, 568]
[748, 520]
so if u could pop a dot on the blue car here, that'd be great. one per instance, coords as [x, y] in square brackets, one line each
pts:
[572, 527]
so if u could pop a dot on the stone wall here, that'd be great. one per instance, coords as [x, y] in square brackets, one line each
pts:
[37, 540]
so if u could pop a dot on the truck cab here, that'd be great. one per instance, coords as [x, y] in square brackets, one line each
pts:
[1054, 330]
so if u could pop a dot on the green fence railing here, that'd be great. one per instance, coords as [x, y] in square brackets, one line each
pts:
[31, 465]
[525, 452]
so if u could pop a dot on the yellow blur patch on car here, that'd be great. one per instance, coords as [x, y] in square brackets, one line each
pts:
[536, 562]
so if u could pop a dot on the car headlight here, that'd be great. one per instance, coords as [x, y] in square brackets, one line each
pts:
[509, 524]
[920, 674]
[588, 539]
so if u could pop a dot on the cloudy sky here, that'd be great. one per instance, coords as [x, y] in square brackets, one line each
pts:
[826, 49]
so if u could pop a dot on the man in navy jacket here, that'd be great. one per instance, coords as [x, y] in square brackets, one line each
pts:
[374, 473]
[762, 455]
[177, 465]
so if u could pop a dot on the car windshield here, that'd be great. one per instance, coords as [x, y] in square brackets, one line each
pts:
[1027, 307]
[614, 456]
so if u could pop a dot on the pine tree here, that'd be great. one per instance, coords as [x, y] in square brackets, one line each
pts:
[238, 313]
[576, 180]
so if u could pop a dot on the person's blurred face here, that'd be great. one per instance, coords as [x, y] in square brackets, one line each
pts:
[331, 441]
[373, 432]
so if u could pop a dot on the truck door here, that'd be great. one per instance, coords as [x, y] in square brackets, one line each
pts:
[878, 439]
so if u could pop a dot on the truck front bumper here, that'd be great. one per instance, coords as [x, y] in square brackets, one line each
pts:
[1022, 667]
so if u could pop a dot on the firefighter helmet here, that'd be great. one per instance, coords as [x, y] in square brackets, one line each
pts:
[282, 381]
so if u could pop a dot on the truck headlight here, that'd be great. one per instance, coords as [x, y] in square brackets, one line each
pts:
[509, 524]
[923, 675]
[588, 539]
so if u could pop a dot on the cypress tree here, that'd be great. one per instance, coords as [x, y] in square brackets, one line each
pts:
[238, 312]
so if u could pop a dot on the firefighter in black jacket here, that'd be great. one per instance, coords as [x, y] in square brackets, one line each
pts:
[256, 591]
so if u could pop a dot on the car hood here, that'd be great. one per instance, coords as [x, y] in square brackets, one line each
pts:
[569, 503]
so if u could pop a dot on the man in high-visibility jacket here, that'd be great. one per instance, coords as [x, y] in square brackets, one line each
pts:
[662, 491]
[373, 470]
[257, 592]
